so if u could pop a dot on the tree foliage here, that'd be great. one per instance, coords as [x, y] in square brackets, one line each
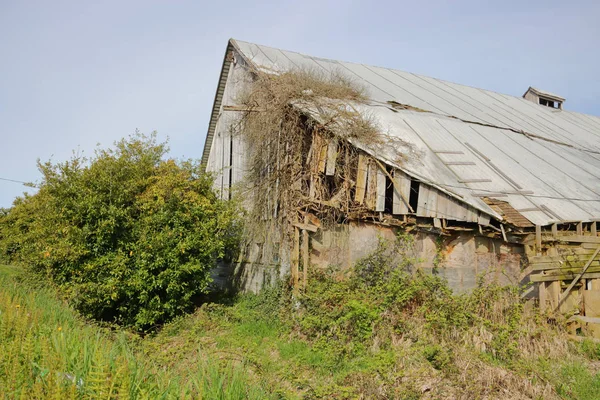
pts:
[130, 236]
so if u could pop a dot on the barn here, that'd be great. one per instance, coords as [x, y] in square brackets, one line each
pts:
[487, 183]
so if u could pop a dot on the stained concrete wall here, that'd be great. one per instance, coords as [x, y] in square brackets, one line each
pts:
[460, 258]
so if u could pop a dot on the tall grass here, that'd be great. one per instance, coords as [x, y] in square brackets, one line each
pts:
[47, 351]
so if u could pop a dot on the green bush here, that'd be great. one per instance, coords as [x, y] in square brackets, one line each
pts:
[129, 236]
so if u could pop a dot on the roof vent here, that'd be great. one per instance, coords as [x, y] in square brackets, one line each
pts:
[544, 98]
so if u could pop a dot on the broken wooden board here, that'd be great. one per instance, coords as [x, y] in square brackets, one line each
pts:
[562, 277]
[371, 196]
[401, 192]
[332, 153]
[381, 187]
[361, 179]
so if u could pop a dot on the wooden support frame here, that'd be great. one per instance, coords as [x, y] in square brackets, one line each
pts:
[574, 282]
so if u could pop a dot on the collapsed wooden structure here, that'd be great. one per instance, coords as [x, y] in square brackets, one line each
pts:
[480, 177]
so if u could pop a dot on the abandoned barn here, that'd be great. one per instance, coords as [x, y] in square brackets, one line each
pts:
[486, 183]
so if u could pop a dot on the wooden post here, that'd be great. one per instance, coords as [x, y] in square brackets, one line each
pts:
[593, 228]
[305, 253]
[543, 296]
[555, 231]
[580, 229]
[296, 257]
[574, 282]
[553, 291]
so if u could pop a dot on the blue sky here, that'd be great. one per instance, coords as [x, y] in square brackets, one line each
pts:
[77, 73]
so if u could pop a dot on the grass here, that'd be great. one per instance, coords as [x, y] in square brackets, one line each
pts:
[256, 348]
[47, 351]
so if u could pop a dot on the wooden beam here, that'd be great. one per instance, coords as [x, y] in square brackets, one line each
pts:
[593, 228]
[555, 230]
[580, 239]
[566, 292]
[538, 239]
[307, 226]
[305, 255]
[296, 257]
[580, 228]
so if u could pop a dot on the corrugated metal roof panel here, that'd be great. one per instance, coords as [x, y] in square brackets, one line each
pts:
[547, 161]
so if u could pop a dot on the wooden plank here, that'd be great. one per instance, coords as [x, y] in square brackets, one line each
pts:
[555, 230]
[566, 293]
[401, 192]
[361, 179]
[423, 199]
[580, 228]
[442, 205]
[580, 239]
[332, 153]
[322, 159]
[593, 228]
[538, 238]
[307, 226]
[565, 277]
[381, 187]
[561, 269]
[432, 203]
[483, 219]
[559, 259]
[371, 196]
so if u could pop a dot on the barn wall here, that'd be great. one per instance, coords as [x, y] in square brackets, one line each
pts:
[226, 160]
[464, 256]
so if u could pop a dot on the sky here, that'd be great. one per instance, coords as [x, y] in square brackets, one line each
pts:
[75, 74]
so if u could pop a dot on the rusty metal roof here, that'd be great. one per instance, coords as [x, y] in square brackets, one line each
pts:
[475, 143]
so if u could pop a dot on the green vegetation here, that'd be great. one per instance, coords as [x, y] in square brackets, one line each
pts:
[128, 236]
[48, 352]
[380, 333]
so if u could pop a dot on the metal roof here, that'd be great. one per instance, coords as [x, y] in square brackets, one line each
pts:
[472, 142]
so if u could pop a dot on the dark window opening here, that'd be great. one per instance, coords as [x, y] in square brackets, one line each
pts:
[389, 191]
[414, 195]
[549, 103]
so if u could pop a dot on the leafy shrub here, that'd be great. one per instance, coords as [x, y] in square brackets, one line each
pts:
[129, 236]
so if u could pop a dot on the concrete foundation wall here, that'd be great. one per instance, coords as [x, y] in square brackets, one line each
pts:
[460, 258]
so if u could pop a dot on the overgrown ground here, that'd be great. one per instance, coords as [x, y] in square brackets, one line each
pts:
[378, 333]
[48, 352]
